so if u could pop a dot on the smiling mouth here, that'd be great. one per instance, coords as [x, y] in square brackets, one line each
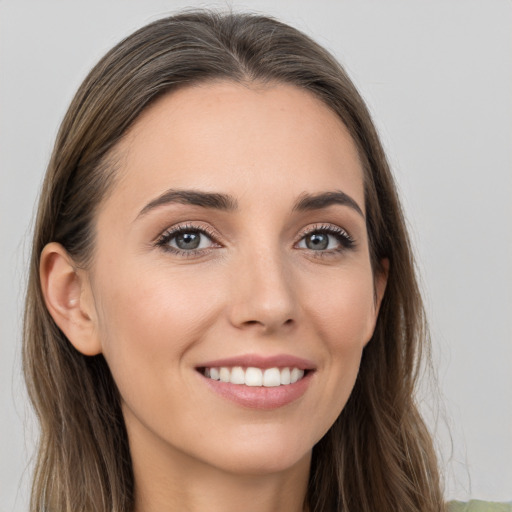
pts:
[253, 376]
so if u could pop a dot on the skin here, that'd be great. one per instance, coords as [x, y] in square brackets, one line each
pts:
[255, 289]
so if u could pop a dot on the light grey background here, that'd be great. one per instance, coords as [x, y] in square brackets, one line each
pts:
[438, 78]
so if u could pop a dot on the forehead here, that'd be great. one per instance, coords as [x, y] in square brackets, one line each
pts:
[245, 140]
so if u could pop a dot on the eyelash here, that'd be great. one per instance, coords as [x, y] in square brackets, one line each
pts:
[345, 240]
[164, 240]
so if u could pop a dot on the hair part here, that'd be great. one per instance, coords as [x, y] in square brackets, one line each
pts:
[378, 455]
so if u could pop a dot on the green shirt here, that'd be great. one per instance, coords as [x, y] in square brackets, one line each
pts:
[478, 506]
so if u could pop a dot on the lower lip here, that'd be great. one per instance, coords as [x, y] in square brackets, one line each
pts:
[260, 397]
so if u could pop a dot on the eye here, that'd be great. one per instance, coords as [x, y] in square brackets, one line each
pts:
[326, 238]
[186, 240]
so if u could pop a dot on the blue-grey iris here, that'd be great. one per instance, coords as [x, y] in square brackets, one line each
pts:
[317, 241]
[187, 241]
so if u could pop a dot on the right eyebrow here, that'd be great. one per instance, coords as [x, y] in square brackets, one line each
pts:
[193, 197]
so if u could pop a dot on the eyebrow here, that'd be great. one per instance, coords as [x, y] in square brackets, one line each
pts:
[226, 202]
[193, 197]
[308, 202]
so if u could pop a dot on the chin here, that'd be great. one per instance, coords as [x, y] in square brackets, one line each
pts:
[263, 456]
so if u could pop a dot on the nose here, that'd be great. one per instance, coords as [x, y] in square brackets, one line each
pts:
[263, 293]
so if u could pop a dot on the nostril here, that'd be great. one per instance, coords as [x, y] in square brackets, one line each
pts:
[257, 322]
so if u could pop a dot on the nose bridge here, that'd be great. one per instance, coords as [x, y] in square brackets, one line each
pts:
[263, 291]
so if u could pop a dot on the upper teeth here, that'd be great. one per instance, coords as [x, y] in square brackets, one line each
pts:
[271, 377]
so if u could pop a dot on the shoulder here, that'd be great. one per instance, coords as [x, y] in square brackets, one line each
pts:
[478, 506]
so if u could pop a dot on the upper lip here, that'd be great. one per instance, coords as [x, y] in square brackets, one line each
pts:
[261, 361]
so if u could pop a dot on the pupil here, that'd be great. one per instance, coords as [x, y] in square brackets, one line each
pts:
[188, 240]
[318, 241]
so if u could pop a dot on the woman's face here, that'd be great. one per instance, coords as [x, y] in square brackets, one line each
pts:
[234, 246]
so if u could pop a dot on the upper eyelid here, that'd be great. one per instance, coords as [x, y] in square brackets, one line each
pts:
[215, 237]
[174, 230]
[323, 227]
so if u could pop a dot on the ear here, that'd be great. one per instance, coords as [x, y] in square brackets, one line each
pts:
[380, 283]
[69, 300]
[380, 280]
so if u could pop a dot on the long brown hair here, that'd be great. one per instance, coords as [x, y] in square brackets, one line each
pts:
[378, 455]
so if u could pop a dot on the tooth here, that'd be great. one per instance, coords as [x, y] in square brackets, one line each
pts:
[271, 377]
[224, 374]
[296, 375]
[285, 376]
[253, 377]
[237, 375]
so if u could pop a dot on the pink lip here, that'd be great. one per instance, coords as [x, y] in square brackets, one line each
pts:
[260, 397]
[263, 362]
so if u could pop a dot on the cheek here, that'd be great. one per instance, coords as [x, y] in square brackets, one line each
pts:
[343, 308]
[149, 319]
[344, 316]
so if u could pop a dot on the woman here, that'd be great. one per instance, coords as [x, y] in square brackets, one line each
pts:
[222, 309]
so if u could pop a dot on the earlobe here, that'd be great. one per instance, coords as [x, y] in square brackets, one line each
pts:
[67, 296]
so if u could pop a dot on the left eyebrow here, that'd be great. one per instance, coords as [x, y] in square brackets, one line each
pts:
[323, 199]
